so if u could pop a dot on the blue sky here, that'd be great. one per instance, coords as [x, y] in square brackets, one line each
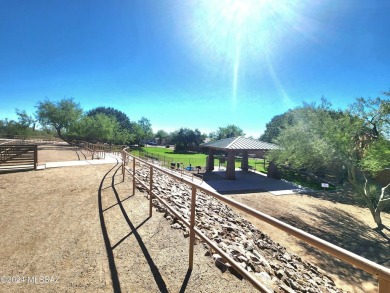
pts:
[197, 64]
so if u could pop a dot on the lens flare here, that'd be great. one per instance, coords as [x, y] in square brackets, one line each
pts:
[233, 31]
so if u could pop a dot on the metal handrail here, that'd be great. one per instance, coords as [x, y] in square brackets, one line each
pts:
[101, 149]
[381, 272]
[9, 152]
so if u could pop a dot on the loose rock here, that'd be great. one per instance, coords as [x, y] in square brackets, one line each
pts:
[250, 248]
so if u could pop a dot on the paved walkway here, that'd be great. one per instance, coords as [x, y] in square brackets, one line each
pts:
[248, 182]
[109, 159]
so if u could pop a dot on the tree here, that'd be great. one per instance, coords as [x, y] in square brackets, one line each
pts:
[144, 131]
[277, 123]
[99, 128]
[375, 113]
[185, 137]
[61, 114]
[377, 157]
[375, 150]
[25, 120]
[9, 128]
[21, 127]
[320, 138]
[162, 135]
[120, 116]
[226, 132]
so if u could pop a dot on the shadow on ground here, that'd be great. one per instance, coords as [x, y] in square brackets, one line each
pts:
[111, 175]
[342, 229]
[110, 255]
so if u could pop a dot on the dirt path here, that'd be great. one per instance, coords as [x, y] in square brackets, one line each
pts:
[78, 232]
[60, 152]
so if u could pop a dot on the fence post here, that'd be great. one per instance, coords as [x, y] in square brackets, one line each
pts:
[35, 157]
[150, 190]
[384, 286]
[192, 225]
[123, 164]
[133, 175]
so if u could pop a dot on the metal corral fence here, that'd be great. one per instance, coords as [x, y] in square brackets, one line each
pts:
[382, 273]
[18, 157]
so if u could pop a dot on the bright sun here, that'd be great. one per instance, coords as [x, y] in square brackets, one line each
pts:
[232, 30]
[224, 25]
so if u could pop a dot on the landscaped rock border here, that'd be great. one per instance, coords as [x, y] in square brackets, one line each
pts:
[276, 268]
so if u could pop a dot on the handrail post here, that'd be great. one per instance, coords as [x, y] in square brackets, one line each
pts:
[133, 175]
[192, 225]
[150, 190]
[123, 165]
[383, 286]
[35, 157]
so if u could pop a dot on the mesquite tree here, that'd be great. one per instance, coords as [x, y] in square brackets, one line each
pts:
[321, 138]
[61, 114]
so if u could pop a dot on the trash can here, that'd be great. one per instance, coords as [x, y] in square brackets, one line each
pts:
[173, 165]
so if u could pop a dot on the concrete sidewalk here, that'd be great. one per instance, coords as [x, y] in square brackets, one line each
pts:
[109, 159]
[248, 182]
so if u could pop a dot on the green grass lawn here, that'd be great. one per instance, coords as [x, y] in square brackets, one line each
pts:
[168, 156]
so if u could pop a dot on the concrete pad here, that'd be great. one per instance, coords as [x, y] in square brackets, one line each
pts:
[110, 159]
[248, 182]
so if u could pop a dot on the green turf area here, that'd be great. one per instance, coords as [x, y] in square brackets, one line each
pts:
[167, 156]
[194, 159]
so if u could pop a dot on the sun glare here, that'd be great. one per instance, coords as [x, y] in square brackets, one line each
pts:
[234, 31]
[222, 25]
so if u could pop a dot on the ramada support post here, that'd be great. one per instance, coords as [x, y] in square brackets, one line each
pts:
[230, 168]
[210, 160]
[244, 161]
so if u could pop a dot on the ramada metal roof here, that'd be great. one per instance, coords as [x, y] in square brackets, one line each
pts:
[239, 143]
